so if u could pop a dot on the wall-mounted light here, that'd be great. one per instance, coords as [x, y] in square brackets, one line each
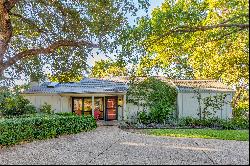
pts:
[119, 101]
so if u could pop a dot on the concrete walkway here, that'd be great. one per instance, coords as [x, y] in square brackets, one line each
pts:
[110, 145]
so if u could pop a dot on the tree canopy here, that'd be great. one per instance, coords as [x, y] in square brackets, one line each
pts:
[208, 38]
[109, 68]
[35, 34]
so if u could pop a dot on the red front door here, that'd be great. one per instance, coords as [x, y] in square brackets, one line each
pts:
[111, 108]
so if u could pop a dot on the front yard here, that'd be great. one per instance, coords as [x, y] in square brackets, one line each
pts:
[239, 135]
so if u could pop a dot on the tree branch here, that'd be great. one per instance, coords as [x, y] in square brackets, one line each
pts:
[9, 4]
[47, 50]
[187, 29]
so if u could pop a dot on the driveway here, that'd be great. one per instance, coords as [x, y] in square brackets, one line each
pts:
[111, 145]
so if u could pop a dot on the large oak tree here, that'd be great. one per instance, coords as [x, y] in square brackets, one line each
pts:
[34, 33]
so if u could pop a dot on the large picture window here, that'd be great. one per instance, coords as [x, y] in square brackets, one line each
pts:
[83, 106]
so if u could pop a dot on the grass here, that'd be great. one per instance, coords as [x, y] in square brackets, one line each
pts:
[239, 135]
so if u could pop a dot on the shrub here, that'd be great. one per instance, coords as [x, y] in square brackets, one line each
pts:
[157, 95]
[143, 117]
[16, 130]
[46, 109]
[214, 123]
[241, 111]
[12, 104]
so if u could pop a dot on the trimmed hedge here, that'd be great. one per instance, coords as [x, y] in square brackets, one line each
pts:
[17, 130]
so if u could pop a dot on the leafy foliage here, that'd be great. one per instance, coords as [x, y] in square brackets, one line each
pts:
[13, 104]
[214, 123]
[17, 130]
[211, 104]
[109, 68]
[60, 35]
[158, 96]
[193, 29]
[196, 40]
[46, 108]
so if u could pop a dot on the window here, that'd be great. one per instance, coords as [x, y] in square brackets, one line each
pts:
[84, 106]
[77, 106]
[99, 106]
[87, 106]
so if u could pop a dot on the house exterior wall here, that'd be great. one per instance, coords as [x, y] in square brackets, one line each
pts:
[58, 103]
[188, 105]
[186, 101]
[132, 110]
[63, 103]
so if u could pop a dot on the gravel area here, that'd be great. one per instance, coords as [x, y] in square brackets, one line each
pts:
[109, 145]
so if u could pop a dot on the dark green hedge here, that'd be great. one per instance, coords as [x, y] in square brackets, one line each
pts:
[16, 130]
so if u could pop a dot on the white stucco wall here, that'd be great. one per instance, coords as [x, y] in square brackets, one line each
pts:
[132, 111]
[188, 105]
[58, 103]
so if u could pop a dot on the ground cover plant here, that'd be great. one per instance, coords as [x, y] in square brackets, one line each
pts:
[239, 135]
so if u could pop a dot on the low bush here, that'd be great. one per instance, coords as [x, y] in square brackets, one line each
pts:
[12, 104]
[46, 109]
[214, 123]
[143, 117]
[241, 111]
[17, 130]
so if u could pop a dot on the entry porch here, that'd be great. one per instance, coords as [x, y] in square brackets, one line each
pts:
[105, 107]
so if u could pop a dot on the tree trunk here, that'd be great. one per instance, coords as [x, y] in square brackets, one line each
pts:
[5, 31]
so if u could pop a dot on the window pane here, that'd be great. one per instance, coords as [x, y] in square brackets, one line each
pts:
[111, 113]
[77, 106]
[99, 106]
[111, 103]
[87, 113]
[88, 104]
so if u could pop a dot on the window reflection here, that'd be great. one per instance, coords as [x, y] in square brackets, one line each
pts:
[87, 106]
[99, 106]
[77, 104]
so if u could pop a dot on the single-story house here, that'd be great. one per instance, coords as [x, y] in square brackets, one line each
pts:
[108, 95]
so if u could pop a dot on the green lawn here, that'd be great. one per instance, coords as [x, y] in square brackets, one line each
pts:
[240, 135]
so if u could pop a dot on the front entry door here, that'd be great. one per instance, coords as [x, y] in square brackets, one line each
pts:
[111, 108]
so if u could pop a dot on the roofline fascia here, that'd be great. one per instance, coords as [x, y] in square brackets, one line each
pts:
[174, 85]
[72, 93]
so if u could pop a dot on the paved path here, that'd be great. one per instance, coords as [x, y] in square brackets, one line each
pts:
[110, 145]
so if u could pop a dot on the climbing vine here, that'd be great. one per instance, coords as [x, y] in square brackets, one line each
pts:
[214, 102]
[155, 94]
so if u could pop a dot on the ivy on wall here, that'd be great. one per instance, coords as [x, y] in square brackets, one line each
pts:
[158, 96]
[214, 103]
